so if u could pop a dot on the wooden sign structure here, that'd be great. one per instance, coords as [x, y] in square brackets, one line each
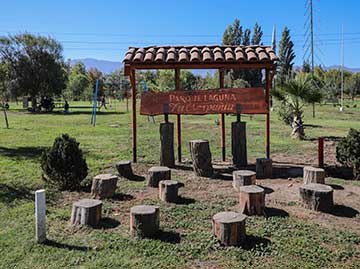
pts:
[221, 58]
[201, 102]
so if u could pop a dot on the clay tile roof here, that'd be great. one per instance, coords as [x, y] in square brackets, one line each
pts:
[198, 54]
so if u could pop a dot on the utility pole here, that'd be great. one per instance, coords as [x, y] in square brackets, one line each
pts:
[342, 69]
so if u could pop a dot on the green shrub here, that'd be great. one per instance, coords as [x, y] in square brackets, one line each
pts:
[63, 164]
[348, 152]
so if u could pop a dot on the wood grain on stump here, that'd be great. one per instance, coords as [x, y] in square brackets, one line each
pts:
[167, 157]
[243, 178]
[86, 212]
[229, 228]
[314, 175]
[263, 168]
[238, 143]
[201, 158]
[124, 169]
[252, 200]
[104, 186]
[318, 197]
[168, 190]
[158, 173]
[144, 220]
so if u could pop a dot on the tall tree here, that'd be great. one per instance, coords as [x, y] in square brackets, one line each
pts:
[79, 82]
[257, 35]
[233, 34]
[36, 65]
[286, 56]
[4, 93]
[246, 37]
[95, 74]
[254, 77]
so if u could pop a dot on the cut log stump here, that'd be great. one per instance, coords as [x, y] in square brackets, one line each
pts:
[158, 173]
[144, 221]
[263, 168]
[86, 212]
[168, 191]
[229, 228]
[243, 178]
[201, 158]
[252, 200]
[314, 175]
[318, 197]
[238, 143]
[124, 169]
[104, 186]
[167, 157]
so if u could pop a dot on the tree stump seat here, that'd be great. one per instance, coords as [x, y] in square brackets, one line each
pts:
[158, 173]
[168, 191]
[318, 197]
[124, 169]
[104, 186]
[86, 212]
[252, 200]
[263, 168]
[243, 178]
[144, 220]
[314, 175]
[201, 157]
[229, 228]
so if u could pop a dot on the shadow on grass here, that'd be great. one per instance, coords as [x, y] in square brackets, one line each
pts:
[136, 178]
[253, 241]
[267, 190]
[22, 152]
[344, 211]
[168, 237]
[184, 200]
[275, 212]
[184, 167]
[336, 186]
[108, 223]
[122, 197]
[52, 243]
[9, 193]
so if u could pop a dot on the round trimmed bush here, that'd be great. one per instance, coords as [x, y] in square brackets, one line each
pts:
[63, 164]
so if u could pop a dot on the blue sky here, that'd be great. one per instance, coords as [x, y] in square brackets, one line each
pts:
[104, 29]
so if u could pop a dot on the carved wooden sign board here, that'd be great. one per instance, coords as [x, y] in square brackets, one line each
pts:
[201, 102]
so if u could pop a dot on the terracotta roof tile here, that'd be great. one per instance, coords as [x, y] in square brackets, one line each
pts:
[208, 54]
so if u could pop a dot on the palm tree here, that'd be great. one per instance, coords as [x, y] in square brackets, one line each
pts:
[293, 94]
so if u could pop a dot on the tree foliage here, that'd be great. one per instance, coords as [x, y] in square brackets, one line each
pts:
[348, 152]
[286, 56]
[36, 65]
[78, 84]
[63, 164]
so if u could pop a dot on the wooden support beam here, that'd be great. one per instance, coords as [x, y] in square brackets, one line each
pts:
[222, 119]
[267, 120]
[133, 96]
[178, 117]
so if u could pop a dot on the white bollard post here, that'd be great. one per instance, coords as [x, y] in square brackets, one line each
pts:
[40, 215]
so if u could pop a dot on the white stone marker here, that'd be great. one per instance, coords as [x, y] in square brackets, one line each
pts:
[40, 215]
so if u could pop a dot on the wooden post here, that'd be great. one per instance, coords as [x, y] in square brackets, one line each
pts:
[267, 121]
[40, 216]
[133, 96]
[321, 152]
[222, 119]
[178, 117]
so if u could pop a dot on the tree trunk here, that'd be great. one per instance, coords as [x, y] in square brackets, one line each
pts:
[243, 178]
[252, 200]
[314, 175]
[229, 228]
[238, 143]
[298, 129]
[86, 212]
[168, 191]
[124, 169]
[6, 119]
[167, 157]
[33, 104]
[318, 197]
[158, 173]
[144, 221]
[263, 168]
[201, 158]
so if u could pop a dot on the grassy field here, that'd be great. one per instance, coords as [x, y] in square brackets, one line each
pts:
[186, 240]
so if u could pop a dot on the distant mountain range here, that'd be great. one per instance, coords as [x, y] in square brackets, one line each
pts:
[107, 67]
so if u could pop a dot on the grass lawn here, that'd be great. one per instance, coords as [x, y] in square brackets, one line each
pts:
[186, 241]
